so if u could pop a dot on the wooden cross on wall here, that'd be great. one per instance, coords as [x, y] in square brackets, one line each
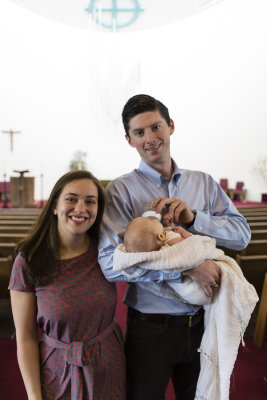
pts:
[11, 133]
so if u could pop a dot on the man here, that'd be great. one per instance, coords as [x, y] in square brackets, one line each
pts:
[163, 335]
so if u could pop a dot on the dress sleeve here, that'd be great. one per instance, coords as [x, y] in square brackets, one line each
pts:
[19, 277]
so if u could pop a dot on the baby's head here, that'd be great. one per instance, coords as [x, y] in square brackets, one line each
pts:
[144, 234]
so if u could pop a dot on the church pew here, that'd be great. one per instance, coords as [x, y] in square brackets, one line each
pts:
[19, 211]
[259, 234]
[257, 225]
[255, 247]
[15, 222]
[260, 333]
[5, 271]
[254, 214]
[14, 229]
[7, 249]
[254, 268]
[251, 208]
[11, 237]
[18, 217]
[256, 218]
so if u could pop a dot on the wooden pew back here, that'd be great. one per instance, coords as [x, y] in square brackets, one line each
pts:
[7, 249]
[255, 247]
[258, 208]
[257, 218]
[19, 211]
[18, 217]
[5, 271]
[16, 222]
[11, 237]
[14, 229]
[257, 225]
[259, 234]
[254, 268]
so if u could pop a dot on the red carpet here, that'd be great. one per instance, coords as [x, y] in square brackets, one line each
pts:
[251, 365]
[247, 380]
[248, 376]
[11, 384]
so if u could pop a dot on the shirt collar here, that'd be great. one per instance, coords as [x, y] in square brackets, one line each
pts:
[155, 175]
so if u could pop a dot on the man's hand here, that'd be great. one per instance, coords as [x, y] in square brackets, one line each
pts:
[207, 275]
[177, 210]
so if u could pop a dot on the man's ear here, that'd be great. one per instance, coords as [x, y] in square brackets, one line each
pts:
[129, 140]
[172, 127]
[55, 211]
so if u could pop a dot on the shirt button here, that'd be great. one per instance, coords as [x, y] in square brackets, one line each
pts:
[158, 185]
[170, 275]
[201, 228]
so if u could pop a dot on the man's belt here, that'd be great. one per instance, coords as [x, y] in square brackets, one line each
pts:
[182, 320]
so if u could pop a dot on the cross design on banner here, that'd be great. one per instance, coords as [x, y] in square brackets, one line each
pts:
[97, 10]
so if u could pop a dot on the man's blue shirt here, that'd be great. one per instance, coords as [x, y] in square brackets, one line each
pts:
[126, 196]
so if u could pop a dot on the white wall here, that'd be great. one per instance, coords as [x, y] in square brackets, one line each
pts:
[64, 89]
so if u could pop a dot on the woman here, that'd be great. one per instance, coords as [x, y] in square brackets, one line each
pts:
[57, 285]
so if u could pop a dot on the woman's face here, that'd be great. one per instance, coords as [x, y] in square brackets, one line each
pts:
[76, 208]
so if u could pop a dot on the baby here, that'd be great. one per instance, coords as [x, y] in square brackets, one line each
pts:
[147, 245]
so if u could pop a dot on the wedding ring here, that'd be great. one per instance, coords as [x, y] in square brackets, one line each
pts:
[216, 286]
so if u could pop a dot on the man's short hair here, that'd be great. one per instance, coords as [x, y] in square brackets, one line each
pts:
[142, 103]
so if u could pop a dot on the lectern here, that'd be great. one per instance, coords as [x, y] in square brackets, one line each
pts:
[22, 190]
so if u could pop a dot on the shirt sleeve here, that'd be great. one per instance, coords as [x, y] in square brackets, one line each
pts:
[220, 219]
[118, 213]
[19, 278]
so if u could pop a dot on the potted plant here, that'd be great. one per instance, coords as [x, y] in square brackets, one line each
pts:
[261, 170]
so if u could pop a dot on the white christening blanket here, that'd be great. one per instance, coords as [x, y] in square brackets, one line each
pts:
[184, 255]
[226, 317]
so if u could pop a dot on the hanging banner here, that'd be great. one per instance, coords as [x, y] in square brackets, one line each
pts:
[116, 15]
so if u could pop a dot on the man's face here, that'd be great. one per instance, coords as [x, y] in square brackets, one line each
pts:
[150, 134]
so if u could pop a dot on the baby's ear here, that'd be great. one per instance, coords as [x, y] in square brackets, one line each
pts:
[161, 236]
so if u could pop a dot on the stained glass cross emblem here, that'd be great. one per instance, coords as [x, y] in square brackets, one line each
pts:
[114, 16]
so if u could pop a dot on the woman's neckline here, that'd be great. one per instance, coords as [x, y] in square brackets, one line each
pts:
[74, 256]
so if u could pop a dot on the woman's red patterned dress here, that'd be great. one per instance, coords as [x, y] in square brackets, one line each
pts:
[81, 350]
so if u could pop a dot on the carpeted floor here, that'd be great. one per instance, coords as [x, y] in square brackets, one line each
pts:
[7, 328]
[248, 376]
[247, 380]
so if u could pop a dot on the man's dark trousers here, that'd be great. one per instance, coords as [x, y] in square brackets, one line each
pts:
[160, 347]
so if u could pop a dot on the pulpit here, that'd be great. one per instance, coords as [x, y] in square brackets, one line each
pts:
[22, 191]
